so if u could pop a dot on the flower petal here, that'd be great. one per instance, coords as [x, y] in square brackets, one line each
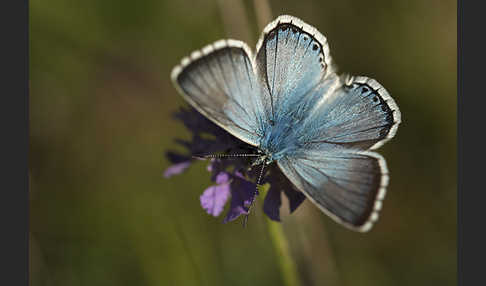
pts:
[242, 194]
[279, 182]
[176, 169]
[222, 178]
[295, 198]
[272, 203]
[214, 198]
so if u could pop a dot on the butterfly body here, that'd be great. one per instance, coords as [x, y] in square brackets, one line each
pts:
[279, 140]
[288, 102]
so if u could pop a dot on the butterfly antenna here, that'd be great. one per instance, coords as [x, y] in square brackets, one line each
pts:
[220, 156]
[245, 220]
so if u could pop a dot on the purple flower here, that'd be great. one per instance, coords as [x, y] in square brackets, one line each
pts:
[278, 184]
[243, 194]
[181, 163]
[232, 176]
[215, 197]
[176, 169]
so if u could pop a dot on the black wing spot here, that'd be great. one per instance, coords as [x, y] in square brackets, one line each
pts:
[294, 30]
[384, 107]
[384, 132]
[315, 47]
[364, 90]
[272, 35]
[305, 38]
[375, 98]
[284, 28]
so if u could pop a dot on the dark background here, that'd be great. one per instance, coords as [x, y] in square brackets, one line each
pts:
[100, 121]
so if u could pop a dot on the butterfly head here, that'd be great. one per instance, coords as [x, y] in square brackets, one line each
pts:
[264, 159]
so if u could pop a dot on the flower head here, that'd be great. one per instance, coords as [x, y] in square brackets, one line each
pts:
[232, 176]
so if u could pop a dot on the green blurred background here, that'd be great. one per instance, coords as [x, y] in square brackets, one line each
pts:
[100, 121]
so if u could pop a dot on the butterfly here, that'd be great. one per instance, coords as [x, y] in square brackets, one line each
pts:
[288, 101]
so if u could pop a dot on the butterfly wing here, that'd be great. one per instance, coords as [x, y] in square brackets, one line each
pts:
[292, 60]
[349, 187]
[333, 167]
[219, 81]
[296, 70]
[360, 114]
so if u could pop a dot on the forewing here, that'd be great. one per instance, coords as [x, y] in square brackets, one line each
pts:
[349, 187]
[360, 115]
[292, 60]
[220, 82]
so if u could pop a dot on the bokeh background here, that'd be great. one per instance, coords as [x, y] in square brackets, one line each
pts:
[100, 121]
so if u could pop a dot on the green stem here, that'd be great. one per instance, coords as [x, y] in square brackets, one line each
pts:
[282, 249]
[288, 268]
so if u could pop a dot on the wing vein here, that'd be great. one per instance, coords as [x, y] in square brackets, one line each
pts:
[230, 54]
[274, 74]
[225, 82]
[363, 130]
[328, 197]
[330, 179]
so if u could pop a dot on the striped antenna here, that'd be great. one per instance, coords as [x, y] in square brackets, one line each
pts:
[245, 220]
[213, 156]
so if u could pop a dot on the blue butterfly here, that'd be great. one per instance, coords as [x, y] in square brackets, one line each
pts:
[288, 101]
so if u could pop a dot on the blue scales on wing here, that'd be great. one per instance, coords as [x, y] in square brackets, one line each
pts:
[359, 115]
[347, 186]
[332, 165]
[292, 61]
[322, 125]
[220, 82]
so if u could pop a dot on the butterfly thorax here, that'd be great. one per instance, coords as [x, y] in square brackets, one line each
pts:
[279, 140]
[263, 159]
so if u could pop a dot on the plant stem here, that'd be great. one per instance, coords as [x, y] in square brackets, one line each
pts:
[280, 243]
[288, 268]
